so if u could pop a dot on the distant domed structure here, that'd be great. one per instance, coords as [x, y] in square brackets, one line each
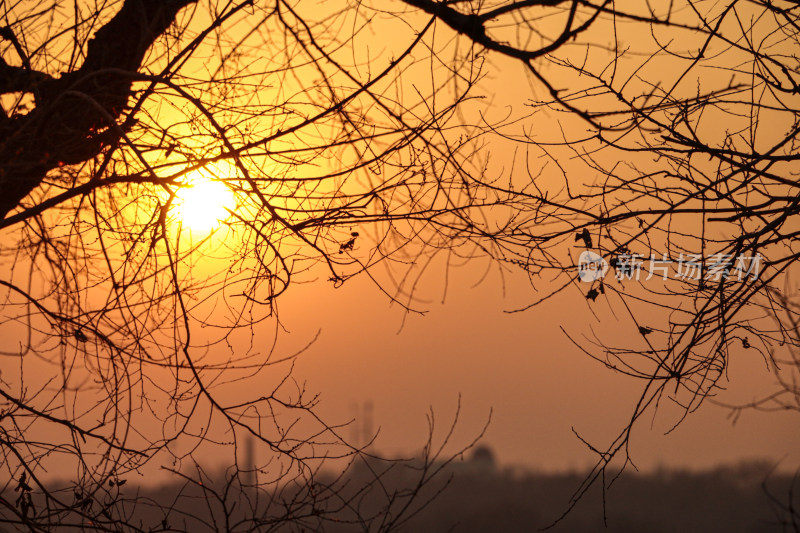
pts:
[483, 456]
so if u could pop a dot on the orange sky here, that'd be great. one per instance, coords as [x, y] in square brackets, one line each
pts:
[520, 366]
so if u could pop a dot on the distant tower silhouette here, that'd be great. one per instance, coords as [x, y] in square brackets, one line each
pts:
[355, 427]
[361, 430]
[367, 428]
[250, 478]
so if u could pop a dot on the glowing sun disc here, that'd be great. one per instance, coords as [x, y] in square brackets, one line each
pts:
[202, 203]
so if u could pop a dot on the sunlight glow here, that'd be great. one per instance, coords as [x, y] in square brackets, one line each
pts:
[202, 203]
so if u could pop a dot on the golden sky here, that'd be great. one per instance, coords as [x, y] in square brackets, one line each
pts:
[521, 367]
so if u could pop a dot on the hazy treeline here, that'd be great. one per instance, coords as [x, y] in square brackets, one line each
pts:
[746, 498]
[474, 496]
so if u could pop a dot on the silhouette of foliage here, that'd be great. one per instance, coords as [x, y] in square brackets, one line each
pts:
[343, 152]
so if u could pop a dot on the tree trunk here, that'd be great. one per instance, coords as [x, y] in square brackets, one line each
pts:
[71, 122]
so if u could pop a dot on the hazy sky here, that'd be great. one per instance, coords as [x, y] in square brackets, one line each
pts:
[521, 366]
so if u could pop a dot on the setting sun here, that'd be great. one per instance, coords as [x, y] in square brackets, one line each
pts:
[202, 202]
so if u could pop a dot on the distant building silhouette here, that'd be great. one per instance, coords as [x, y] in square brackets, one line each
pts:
[483, 457]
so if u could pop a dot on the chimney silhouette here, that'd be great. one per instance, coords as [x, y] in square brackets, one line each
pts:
[361, 430]
[367, 435]
[250, 478]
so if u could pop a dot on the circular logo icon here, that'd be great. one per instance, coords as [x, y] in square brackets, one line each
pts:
[591, 267]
